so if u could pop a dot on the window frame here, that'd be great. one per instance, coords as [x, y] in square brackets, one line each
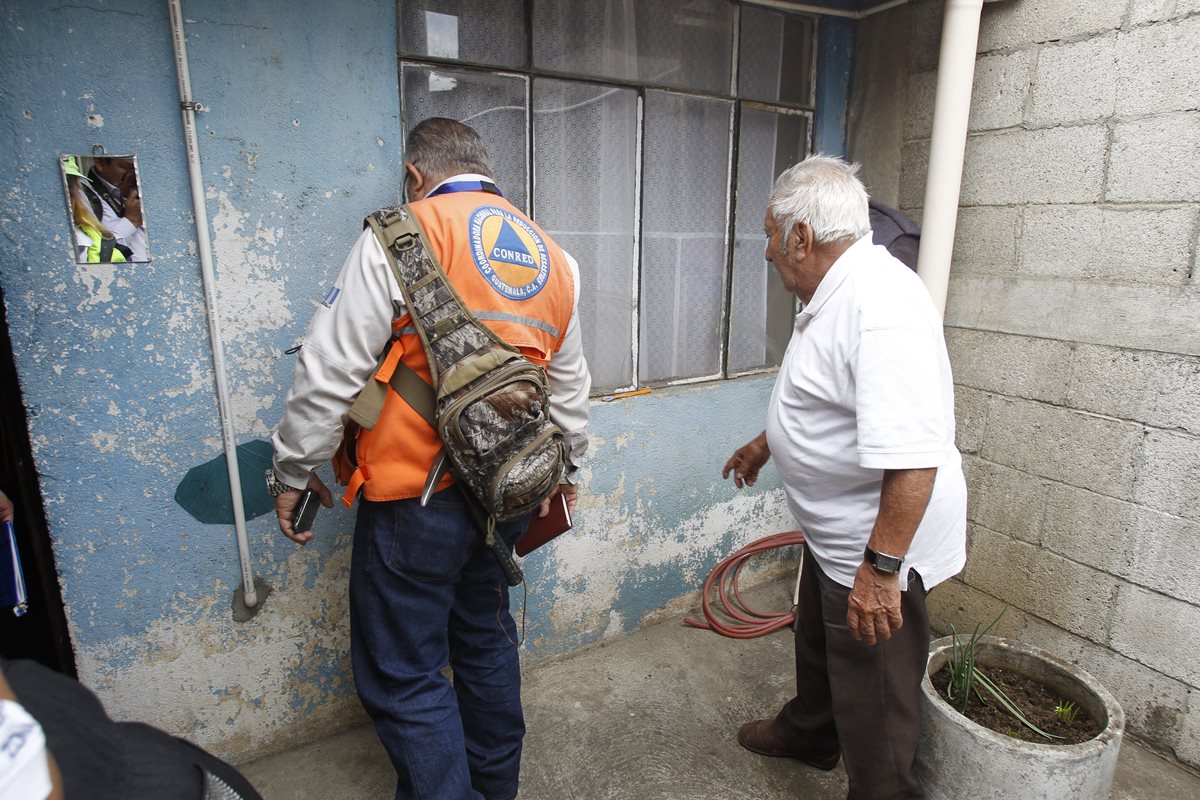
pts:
[528, 73]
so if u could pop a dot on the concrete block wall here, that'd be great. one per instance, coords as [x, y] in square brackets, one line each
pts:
[1073, 322]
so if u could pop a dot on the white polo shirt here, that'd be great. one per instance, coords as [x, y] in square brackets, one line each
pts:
[865, 386]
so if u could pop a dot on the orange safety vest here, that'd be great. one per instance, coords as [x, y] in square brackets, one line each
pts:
[515, 280]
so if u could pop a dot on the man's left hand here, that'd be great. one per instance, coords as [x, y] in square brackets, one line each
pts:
[572, 494]
[874, 605]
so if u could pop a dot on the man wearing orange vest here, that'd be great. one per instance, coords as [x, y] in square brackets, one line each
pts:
[424, 589]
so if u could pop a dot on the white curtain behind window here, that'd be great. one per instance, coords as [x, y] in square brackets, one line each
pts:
[685, 188]
[585, 140]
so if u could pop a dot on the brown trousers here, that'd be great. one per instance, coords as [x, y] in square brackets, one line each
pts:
[859, 699]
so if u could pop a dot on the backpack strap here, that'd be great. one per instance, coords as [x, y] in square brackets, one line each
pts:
[392, 371]
[448, 331]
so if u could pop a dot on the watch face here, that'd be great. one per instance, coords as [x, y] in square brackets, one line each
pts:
[887, 563]
[883, 562]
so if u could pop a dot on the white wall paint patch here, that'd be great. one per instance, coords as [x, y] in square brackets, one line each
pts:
[249, 301]
[97, 281]
[615, 542]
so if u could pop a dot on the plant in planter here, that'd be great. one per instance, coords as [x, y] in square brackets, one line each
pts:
[959, 758]
[977, 696]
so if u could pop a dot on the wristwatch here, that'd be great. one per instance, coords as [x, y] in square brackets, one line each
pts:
[275, 487]
[882, 562]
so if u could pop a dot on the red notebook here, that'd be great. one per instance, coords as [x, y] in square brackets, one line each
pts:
[543, 529]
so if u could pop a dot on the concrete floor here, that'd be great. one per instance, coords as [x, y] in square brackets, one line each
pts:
[651, 716]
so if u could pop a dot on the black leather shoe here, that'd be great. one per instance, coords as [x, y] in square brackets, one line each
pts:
[761, 736]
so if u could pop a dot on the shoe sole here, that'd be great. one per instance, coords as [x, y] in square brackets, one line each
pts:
[823, 764]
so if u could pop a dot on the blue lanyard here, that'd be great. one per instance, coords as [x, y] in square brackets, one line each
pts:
[466, 186]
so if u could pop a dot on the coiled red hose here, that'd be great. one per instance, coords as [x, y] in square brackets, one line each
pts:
[750, 623]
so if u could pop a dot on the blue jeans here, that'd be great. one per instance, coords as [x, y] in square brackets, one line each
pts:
[425, 592]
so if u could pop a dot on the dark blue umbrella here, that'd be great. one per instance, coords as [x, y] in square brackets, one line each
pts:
[204, 491]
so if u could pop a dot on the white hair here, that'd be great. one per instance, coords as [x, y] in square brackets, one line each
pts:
[825, 192]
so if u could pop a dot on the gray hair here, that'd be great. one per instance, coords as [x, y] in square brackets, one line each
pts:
[825, 192]
[442, 147]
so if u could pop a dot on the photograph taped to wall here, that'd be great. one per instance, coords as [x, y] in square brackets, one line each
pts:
[104, 208]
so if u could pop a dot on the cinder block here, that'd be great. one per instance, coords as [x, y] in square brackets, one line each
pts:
[925, 31]
[985, 241]
[1007, 501]
[1016, 24]
[1063, 644]
[1000, 88]
[1159, 389]
[1196, 261]
[1187, 748]
[1153, 159]
[1074, 82]
[1090, 528]
[1016, 366]
[1155, 706]
[955, 603]
[1161, 632]
[1111, 244]
[1144, 11]
[1169, 474]
[1157, 67]
[1068, 594]
[1163, 554]
[1054, 165]
[914, 169]
[919, 97]
[1073, 447]
[970, 418]
[1138, 317]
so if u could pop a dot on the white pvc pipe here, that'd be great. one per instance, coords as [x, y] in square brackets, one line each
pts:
[952, 107]
[210, 298]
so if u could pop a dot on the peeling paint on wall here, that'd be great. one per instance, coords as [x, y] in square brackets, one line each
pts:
[116, 370]
[654, 516]
[276, 679]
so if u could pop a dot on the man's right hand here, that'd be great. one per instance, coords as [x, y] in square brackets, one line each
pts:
[747, 460]
[285, 508]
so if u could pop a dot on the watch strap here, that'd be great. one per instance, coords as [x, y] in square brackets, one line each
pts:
[275, 486]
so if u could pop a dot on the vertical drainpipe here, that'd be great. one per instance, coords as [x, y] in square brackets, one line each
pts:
[947, 148]
[189, 107]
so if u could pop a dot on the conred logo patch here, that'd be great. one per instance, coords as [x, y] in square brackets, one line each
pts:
[508, 252]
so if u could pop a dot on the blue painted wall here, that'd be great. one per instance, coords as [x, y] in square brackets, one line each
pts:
[301, 138]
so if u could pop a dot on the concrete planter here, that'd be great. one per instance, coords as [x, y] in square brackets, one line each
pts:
[959, 759]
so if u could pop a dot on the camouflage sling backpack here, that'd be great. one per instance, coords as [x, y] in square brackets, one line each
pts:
[491, 405]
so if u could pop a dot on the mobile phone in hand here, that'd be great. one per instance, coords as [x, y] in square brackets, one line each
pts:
[306, 511]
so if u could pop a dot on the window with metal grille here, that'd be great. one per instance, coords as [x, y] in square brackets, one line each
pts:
[643, 136]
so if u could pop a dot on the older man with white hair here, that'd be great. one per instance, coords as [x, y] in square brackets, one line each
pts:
[861, 424]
